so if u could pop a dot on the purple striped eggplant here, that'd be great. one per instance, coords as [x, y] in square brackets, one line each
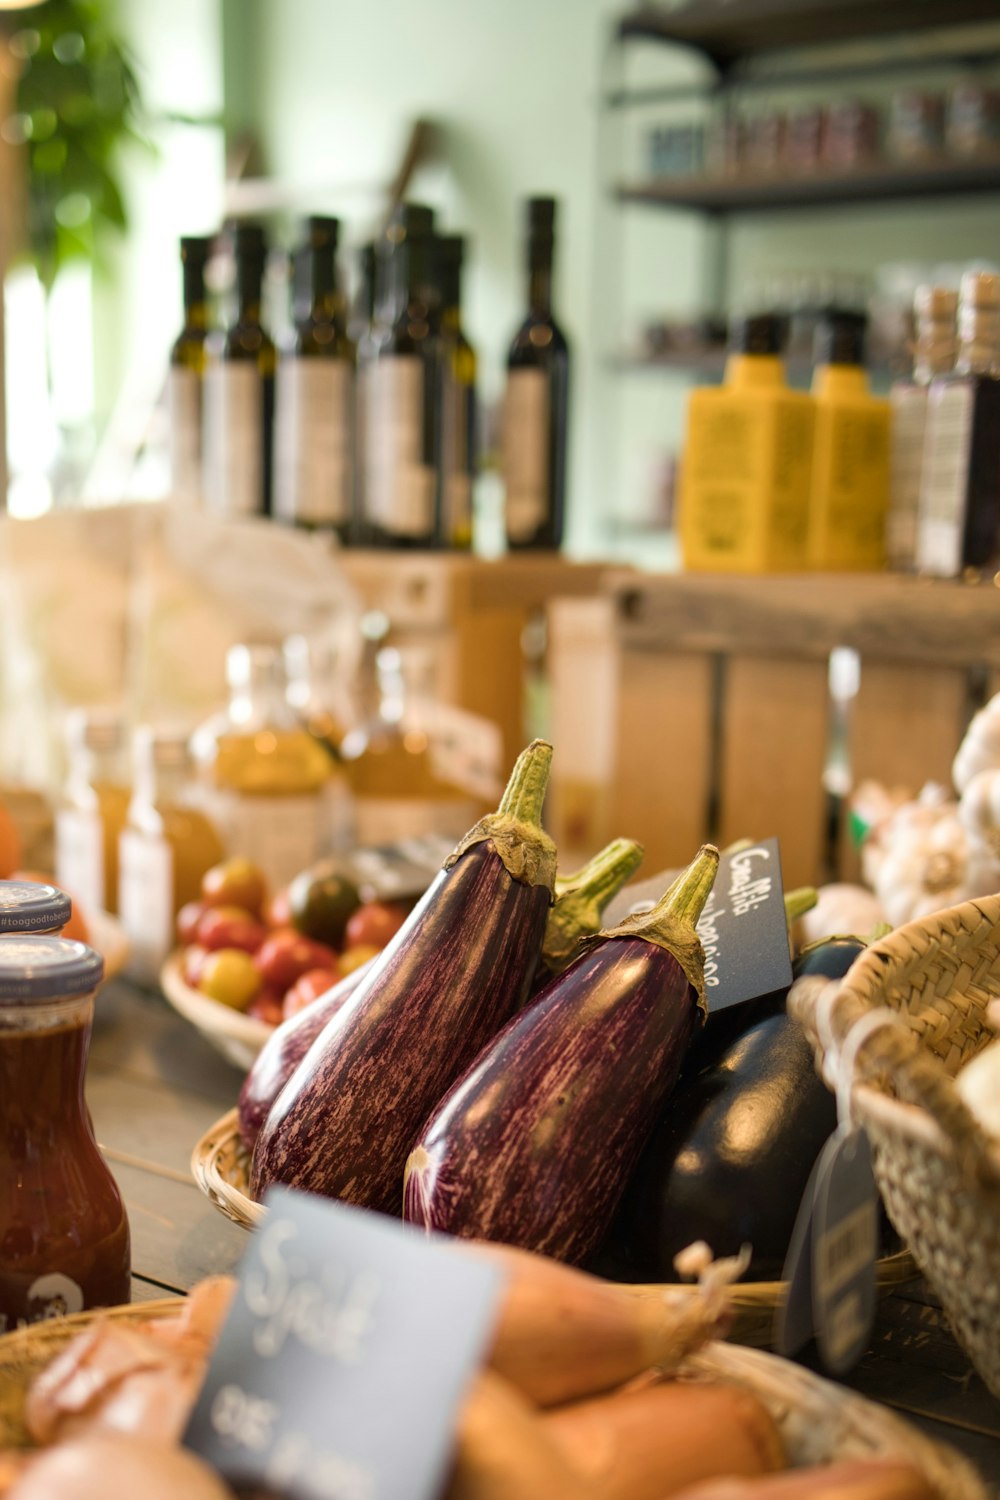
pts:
[455, 972]
[534, 1146]
[579, 905]
[284, 1050]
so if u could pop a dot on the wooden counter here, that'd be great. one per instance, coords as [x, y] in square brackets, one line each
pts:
[154, 1086]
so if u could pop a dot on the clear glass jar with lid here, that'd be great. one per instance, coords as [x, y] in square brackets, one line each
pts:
[30, 906]
[64, 1233]
[262, 776]
[93, 808]
[165, 848]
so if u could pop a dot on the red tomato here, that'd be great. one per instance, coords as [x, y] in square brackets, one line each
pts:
[309, 987]
[187, 921]
[192, 964]
[229, 927]
[373, 924]
[353, 958]
[278, 912]
[286, 955]
[267, 1007]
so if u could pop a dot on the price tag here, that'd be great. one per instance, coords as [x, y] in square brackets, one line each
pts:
[341, 1368]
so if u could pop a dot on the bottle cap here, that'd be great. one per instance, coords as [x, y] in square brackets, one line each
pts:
[195, 250]
[980, 289]
[411, 221]
[249, 238]
[761, 333]
[47, 968]
[840, 338]
[322, 233]
[449, 250]
[95, 729]
[31, 906]
[541, 216]
[935, 304]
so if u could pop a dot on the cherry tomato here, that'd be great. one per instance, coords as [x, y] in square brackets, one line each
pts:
[188, 918]
[286, 955]
[229, 927]
[230, 976]
[236, 882]
[267, 1007]
[309, 987]
[353, 958]
[373, 925]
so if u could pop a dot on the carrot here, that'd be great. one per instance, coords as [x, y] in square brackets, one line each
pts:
[650, 1442]
[867, 1480]
[563, 1334]
[503, 1450]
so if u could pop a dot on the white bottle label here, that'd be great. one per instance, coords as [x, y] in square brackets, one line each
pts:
[146, 899]
[280, 834]
[399, 485]
[184, 411]
[944, 482]
[80, 856]
[234, 454]
[526, 451]
[312, 456]
[909, 420]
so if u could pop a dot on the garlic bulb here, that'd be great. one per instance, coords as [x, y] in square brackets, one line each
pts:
[928, 862]
[980, 749]
[979, 1085]
[979, 809]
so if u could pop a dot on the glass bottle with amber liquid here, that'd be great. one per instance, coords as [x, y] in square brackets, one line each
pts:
[314, 396]
[457, 407]
[536, 403]
[400, 497]
[186, 374]
[239, 393]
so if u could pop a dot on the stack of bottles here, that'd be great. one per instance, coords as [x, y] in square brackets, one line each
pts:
[365, 425]
[774, 479]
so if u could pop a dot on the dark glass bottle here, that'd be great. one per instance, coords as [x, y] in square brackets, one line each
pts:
[457, 400]
[186, 374]
[314, 395]
[959, 523]
[536, 402]
[400, 496]
[362, 315]
[239, 393]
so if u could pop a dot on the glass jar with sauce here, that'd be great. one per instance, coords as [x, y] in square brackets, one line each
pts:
[29, 906]
[64, 1234]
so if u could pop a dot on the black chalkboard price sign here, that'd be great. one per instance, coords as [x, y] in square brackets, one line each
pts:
[340, 1370]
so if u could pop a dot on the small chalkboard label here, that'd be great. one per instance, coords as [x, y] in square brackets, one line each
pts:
[743, 928]
[845, 1247]
[340, 1370]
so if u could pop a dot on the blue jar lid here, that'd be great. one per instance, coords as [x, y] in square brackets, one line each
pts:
[30, 906]
[47, 968]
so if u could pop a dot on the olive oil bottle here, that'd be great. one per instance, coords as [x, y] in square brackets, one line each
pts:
[934, 310]
[457, 408]
[186, 373]
[314, 396]
[239, 393]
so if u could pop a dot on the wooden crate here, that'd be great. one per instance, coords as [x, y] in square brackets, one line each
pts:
[474, 613]
[722, 723]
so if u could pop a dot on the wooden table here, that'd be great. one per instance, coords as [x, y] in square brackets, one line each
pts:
[154, 1086]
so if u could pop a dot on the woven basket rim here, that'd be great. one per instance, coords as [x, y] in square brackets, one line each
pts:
[222, 1140]
[210, 1016]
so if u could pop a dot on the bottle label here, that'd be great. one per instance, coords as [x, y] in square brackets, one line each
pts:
[945, 480]
[80, 856]
[399, 485]
[526, 451]
[184, 411]
[280, 834]
[457, 459]
[51, 1295]
[313, 466]
[909, 419]
[146, 899]
[234, 439]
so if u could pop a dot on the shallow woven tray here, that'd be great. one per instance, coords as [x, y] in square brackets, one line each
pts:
[237, 1036]
[928, 985]
[818, 1421]
[220, 1167]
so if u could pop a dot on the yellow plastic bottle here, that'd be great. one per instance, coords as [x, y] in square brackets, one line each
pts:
[744, 490]
[849, 498]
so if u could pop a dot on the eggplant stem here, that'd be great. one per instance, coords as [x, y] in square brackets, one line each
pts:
[582, 897]
[601, 876]
[524, 794]
[799, 901]
[684, 901]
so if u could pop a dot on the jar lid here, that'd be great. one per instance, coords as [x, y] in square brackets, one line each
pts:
[47, 968]
[31, 906]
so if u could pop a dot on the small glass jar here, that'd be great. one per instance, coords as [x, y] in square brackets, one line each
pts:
[93, 808]
[29, 906]
[64, 1234]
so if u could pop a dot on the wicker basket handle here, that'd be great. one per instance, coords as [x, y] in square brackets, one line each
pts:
[890, 1060]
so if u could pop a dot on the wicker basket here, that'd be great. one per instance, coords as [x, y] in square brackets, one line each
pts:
[220, 1168]
[819, 1421]
[890, 1037]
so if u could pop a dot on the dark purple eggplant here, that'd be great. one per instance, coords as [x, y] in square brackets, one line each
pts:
[284, 1050]
[579, 905]
[534, 1145]
[732, 1152]
[456, 971]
